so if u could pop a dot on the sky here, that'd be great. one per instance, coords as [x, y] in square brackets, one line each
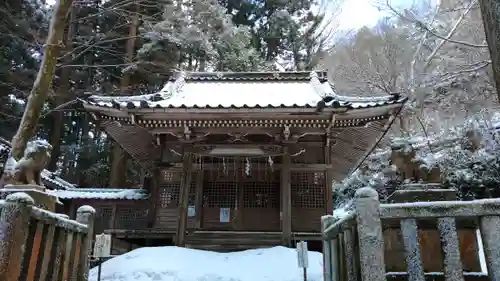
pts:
[358, 13]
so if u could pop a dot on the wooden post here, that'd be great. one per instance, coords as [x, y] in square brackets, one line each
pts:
[85, 215]
[14, 226]
[198, 199]
[286, 199]
[187, 166]
[371, 240]
[153, 184]
[328, 178]
[490, 234]
[239, 185]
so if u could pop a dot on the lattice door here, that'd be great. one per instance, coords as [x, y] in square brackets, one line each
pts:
[308, 200]
[261, 196]
[103, 218]
[167, 212]
[131, 217]
[168, 199]
[219, 193]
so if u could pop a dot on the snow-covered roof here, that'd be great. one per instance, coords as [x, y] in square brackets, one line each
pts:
[49, 178]
[241, 90]
[100, 193]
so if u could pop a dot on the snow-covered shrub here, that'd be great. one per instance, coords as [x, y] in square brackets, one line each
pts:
[473, 171]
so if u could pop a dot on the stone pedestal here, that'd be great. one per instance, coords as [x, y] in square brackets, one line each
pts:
[42, 199]
[421, 193]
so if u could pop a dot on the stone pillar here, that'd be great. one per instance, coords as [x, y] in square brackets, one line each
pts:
[371, 240]
[85, 215]
[14, 227]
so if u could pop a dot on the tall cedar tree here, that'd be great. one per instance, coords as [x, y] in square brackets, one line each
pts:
[43, 82]
[490, 10]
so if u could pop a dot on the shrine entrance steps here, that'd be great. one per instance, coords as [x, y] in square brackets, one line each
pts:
[226, 241]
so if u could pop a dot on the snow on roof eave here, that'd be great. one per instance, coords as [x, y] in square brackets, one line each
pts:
[155, 102]
[102, 194]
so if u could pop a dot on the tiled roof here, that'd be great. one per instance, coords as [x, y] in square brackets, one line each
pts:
[49, 178]
[241, 90]
[101, 193]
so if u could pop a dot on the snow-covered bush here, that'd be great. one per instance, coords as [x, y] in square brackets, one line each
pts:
[468, 159]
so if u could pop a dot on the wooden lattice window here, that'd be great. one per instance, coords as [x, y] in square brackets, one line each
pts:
[192, 190]
[308, 190]
[219, 194]
[131, 217]
[169, 195]
[168, 176]
[103, 218]
[261, 195]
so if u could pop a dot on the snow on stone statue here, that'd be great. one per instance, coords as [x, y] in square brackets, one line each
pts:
[28, 169]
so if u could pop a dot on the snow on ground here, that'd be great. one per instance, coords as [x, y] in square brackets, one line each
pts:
[181, 264]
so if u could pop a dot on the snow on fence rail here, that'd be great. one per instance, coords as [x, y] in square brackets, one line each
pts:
[353, 246]
[38, 245]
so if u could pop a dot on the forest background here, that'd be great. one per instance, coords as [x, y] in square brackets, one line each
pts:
[433, 52]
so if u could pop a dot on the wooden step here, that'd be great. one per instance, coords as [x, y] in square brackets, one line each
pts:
[226, 248]
[231, 241]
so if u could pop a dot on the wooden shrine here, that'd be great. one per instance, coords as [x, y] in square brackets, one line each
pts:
[235, 160]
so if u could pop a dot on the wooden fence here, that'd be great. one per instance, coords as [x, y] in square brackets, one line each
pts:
[38, 245]
[353, 246]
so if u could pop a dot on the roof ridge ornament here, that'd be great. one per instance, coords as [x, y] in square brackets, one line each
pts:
[316, 84]
[177, 84]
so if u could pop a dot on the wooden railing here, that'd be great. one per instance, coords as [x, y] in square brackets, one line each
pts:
[354, 245]
[38, 245]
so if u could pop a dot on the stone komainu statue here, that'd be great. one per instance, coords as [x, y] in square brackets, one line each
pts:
[28, 169]
[403, 156]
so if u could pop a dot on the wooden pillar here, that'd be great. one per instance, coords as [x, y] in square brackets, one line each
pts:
[286, 199]
[328, 177]
[187, 166]
[198, 199]
[152, 186]
[239, 184]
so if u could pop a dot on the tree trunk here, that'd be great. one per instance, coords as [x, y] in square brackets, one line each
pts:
[61, 96]
[119, 158]
[43, 82]
[490, 10]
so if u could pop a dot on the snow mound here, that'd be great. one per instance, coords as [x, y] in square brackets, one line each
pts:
[182, 264]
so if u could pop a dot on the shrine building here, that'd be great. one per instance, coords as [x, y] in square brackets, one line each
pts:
[232, 160]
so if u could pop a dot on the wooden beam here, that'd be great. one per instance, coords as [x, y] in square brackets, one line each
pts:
[286, 199]
[224, 130]
[292, 167]
[205, 143]
[180, 233]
